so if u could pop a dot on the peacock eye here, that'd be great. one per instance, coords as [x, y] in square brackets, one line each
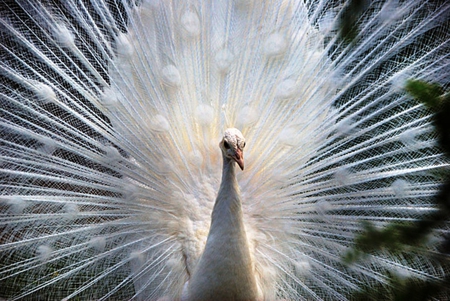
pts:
[243, 145]
[226, 145]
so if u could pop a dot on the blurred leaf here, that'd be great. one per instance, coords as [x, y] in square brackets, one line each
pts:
[349, 20]
[429, 94]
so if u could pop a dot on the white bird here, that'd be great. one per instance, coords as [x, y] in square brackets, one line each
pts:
[110, 171]
[225, 270]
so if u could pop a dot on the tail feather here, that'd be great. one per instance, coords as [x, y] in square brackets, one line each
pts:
[111, 117]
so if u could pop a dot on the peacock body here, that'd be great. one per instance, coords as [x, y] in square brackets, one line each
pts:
[111, 115]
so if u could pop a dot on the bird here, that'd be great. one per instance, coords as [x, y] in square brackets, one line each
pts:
[226, 256]
[123, 127]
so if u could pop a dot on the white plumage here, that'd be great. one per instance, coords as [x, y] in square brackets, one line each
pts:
[225, 270]
[112, 111]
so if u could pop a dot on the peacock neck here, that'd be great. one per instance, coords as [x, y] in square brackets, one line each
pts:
[227, 217]
[225, 270]
[229, 194]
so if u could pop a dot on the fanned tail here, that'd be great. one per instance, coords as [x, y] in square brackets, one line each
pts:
[110, 119]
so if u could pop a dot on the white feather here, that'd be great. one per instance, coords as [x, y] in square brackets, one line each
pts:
[110, 118]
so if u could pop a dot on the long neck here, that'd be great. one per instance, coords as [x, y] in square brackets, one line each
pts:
[228, 201]
[225, 270]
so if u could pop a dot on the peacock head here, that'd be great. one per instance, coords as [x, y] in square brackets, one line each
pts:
[232, 146]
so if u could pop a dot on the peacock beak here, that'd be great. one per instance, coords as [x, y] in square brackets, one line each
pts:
[239, 158]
